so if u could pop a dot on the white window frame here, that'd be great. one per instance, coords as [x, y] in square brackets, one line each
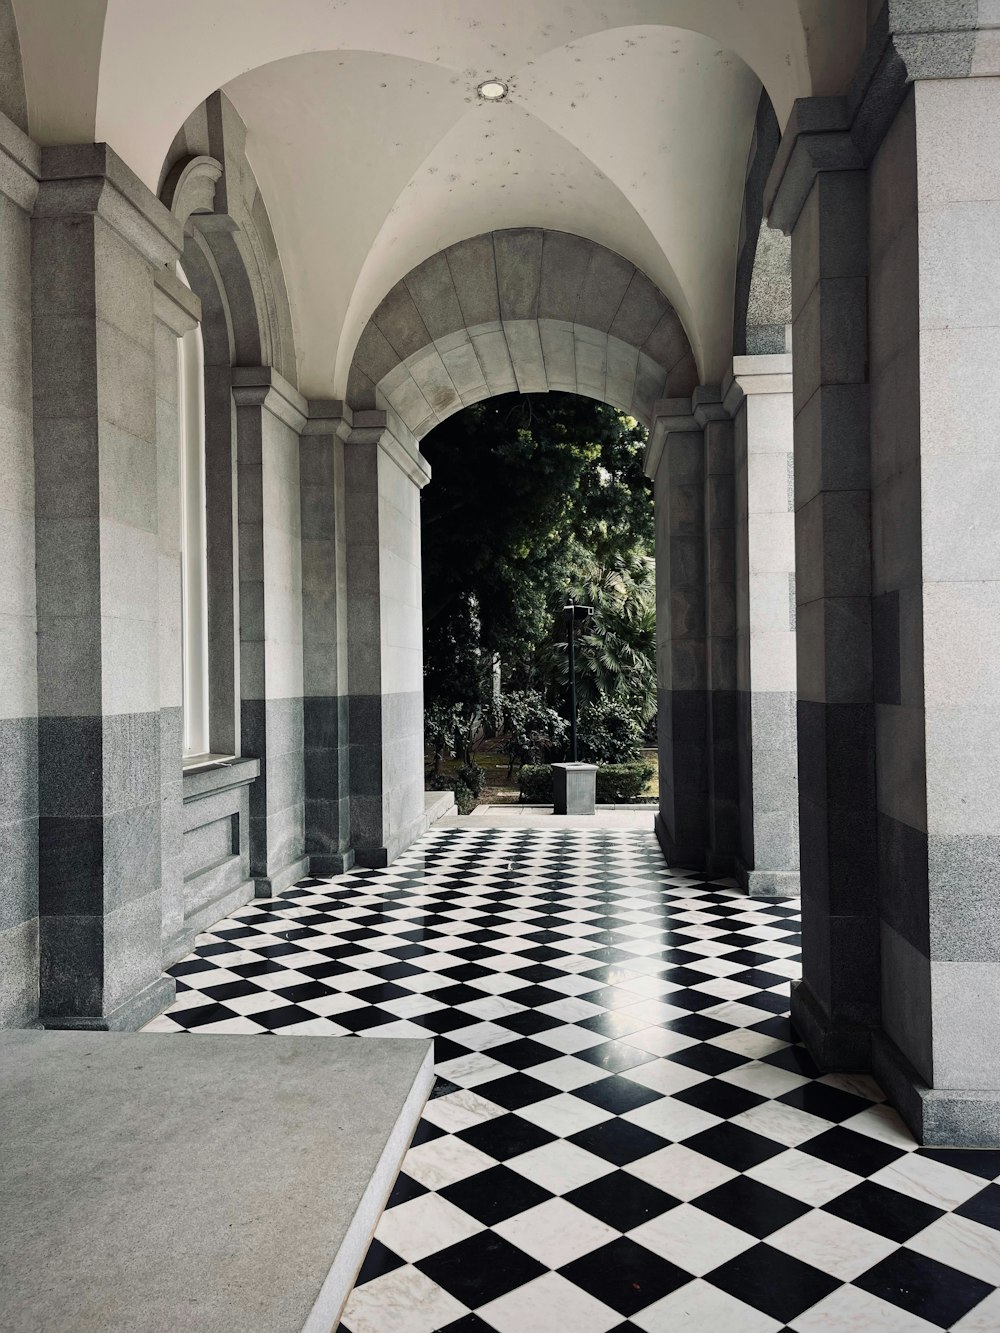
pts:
[194, 542]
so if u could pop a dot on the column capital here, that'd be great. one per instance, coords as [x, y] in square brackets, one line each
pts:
[817, 139]
[329, 416]
[263, 386]
[374, 427]
[174, 303]
[91, 179]
[750, 375]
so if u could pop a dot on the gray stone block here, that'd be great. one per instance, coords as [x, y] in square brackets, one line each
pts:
[518, 267]
[473, 271]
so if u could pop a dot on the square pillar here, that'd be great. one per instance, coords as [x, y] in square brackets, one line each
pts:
[892, 201]
[18, 625]
[759, 397]
[675, 460]
[270, 413]
[720, 631]
[98, 235]
[384, 472]
[324, 638]
[819, 195]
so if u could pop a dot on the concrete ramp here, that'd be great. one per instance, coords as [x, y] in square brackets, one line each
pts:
[195, 1184]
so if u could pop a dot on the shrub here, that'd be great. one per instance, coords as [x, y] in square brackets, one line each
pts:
[622, 782]
[608, 733]
[473, 776]
[465, 798]
[530, 729]
[536, 782]
[616, 783]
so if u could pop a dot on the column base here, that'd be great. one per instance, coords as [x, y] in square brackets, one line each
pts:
[769, 883]
[684, 858]
[128, 1017]
[937, 1117]
[836, 1047]
[326, 865]
[269, 886]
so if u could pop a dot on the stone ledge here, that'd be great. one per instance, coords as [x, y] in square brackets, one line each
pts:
[204, 1183]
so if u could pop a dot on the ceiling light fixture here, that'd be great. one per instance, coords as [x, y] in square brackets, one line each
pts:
[492, 90]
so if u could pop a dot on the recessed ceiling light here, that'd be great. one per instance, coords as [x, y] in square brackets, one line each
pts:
[492, 90]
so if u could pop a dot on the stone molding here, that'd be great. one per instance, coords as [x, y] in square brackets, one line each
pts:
[82, 179]
[707, 404]
[756, 374]
[328, 416]
[669, 416]
[910, 40]
[263, 386]
[190, 186]
[20, 165]
[371, 427]
[174, 303]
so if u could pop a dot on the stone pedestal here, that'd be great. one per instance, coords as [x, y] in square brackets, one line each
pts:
[574, 787]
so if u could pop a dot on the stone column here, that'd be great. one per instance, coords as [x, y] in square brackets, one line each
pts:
[97, 236]
[935, 339]
[720, 631]
[270, 413]
[675, 460]
[759, 396]
[911, 985]
[19, 170]
[324, 638]
[819, 195]
[176, 310]
[384, 473]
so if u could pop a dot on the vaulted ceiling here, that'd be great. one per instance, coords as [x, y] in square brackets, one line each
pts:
[628, 122]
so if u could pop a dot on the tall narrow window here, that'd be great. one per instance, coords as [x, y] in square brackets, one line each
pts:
[194, 556]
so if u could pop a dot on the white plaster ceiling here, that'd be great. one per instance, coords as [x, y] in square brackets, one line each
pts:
[628, 122]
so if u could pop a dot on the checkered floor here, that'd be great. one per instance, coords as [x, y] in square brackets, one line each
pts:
[623, 1134]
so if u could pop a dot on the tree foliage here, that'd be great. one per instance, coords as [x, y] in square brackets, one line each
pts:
[534, 499]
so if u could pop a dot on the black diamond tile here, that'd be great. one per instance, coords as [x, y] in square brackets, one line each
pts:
[613, 1024]
[522, 1054]
[751, 1206]
[378, 1261]
[734, 1146]
[719, 1098]
[983, 1207]
[514, 1091]
[625, 1276]
[529, 1022]
[875, 1208]
[505, 1136]
[621, 1200]
[854, 1152]
[230, 990]
[405, 1189]
[707, 1059]
[983, 1162]
[616, 1056]
[203, 1014]
[618, 1141]
[617, 1094]
[494, 1195]
[776, 1283]
[926, 1288]
[480, 1269]
[469, 1323]
[304, 990]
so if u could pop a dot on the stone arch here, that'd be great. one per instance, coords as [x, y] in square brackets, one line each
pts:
[525, 309]
[762, 312]
[13, 102]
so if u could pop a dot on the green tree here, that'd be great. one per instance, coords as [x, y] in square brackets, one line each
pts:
[531, 495]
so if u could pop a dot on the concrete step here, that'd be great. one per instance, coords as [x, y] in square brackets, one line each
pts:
[198, 1183]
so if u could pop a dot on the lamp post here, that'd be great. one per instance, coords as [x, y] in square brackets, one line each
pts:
[574, 613]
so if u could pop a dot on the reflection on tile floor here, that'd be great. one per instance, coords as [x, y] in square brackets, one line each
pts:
[623, 1134]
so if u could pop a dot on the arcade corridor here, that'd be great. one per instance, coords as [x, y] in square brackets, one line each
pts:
[623, 1133]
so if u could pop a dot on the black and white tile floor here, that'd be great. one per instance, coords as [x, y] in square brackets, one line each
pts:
[623, 1134]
